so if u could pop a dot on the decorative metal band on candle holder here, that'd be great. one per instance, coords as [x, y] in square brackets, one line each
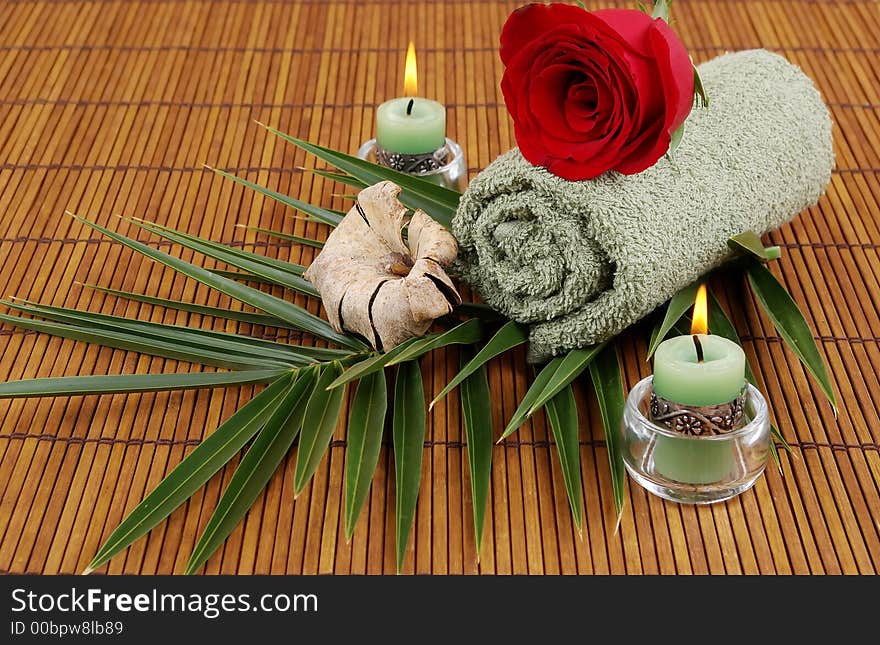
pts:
[698, 421]
[445, 166]
[413, 163]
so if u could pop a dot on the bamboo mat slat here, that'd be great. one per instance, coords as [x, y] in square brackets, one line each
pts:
[112, 108]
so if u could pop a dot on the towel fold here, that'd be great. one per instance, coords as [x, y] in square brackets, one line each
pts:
[581, 261]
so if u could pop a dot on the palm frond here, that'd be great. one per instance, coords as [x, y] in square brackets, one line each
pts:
[608, 384]
[439, 202]
[204, 340]
[477, 417]
[278, 272]
[409, 439]
[124, 383]
[252, 318]
[366, 421]
[305, 241]
[255, 469]
[287, 311]
[323, 215]
[322, 412]
[506, 338]
[563, 417]
[195, 470]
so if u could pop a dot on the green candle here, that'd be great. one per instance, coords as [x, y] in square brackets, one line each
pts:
[415, 129]
[411, 125]
[682, 376]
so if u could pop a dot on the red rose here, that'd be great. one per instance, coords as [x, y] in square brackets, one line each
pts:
[593, 91]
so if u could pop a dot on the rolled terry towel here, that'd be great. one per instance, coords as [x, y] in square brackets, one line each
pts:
[581, 261]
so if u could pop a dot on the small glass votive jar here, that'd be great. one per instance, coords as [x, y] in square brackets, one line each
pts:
[694, 469]
[453, 174]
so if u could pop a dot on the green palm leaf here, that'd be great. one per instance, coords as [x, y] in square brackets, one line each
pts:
[466, 333]
[187, 337]
[366, 420]
[790, 324]
[242, 276]
[556, 376]
[122, 383]
[306, 241]
[720, 323]
[342, 178]
[563, 417]
[322, 415]
[508, 337]
[196, 469]
[677, 307]
[287, 311]
[182, 238]
[324, 215]
[278, 272]
[252, 318]
[607, 381]
[255, 469]
[749, 243]
[319, 353]
[409, 442]
[372, 364]
[571, 366]
[437, 201]
[531, 396]
[142, 344]
[477, 416]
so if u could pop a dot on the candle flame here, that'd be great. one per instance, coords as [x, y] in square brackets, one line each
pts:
[700, 324]
[410, 72]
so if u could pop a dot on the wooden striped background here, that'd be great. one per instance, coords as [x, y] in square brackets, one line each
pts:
[111, 108]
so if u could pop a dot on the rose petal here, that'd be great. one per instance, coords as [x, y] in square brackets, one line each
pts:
[677, 72]
[582, 106]
[547, 100]
[645, 150]
[551, 99]
[631, 26]
[608, 96]
[532, 21]
[579, 169]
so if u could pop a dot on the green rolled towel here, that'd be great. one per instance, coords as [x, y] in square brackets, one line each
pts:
[580, 261]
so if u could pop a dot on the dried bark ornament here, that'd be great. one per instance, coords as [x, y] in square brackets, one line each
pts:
[375, 285]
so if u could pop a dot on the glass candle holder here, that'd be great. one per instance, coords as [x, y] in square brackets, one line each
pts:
[453, 174]
[694, 469]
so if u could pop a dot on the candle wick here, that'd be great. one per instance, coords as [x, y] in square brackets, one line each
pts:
[409, 107]
[699, 347]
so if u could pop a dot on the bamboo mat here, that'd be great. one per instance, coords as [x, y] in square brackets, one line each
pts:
[111, 108]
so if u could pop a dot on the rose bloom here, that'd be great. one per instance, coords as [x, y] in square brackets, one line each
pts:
[593, 91]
